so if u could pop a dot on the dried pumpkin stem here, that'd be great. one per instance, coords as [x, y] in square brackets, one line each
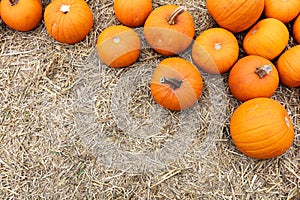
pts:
[178, 11]
[13, 2]
[173, 82]
[263, 71]
[65, 9]
[218, 46]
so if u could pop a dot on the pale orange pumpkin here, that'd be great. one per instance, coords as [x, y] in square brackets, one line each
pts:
[215, 50]
[283, 10]
[253, 76]
[21, 15]
[235, 15]
[267, 38]
[296, 29]
[288, 66]
[132, 13]
[261, 128]
[68, 21]
[176, 84]
[118, 46]
[169, 30]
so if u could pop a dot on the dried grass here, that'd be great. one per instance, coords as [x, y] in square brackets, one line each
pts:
[57, 103]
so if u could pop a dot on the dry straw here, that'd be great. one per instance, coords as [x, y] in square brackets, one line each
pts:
[47, 89]
[153, 137]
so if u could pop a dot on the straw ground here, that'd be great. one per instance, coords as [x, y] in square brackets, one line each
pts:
[43, 155]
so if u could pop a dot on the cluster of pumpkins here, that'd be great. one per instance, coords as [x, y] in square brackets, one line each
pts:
[67, 21]
[260, 127]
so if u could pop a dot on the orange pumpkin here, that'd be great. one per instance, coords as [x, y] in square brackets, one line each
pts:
[21, 15]
[235, 15]
[253, 76]
[283, 10]
[296, 29]
[261, 128]
[68, 21]
[132, 12]
[215, 50]
[267, 38]
[118, 46]
[288, 66]
[176, 84]
[169, 30]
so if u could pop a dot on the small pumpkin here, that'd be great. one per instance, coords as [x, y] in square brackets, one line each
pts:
[118, 46]
[68, 21]
[296, 29]
[215, 50]
[176, 84]
[21, 15]
[132, 13]
[261, 128]
[289, 67]
[253, 76]
[235, 15]
[169, 30]
[267, 38]
[283, 10]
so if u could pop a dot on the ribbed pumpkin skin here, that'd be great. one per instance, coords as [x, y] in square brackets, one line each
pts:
[215, 50]
[288, 66]
[169, 39]
[70, 27]
[261, 128]
[118, 46]
[267, 38]
[187, 94]
[132, 13]
[296, 29]
[284, 11]
[245, 84]
[25, 15]
[235, 15]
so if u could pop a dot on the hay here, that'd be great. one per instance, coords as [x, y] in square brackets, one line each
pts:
[55, 97]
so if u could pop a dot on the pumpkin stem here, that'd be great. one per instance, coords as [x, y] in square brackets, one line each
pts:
[65, 9]
[116, 39]
[13, 2]
[172, 18]
[263, 71]
[173, 82]
[218, 46]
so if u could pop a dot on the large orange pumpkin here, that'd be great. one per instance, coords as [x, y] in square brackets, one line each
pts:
[296, 29]
[253, 76]
[21, 15]
[215, 50]
[118, 46]
[288, 66]
[169, 29]
[68, 21]
[283, 10]
[132, 12]
[235, 15]
[176, 84]
[267, 38]
[261, 128]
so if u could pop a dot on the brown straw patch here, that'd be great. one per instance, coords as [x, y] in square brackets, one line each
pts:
[43, 111]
